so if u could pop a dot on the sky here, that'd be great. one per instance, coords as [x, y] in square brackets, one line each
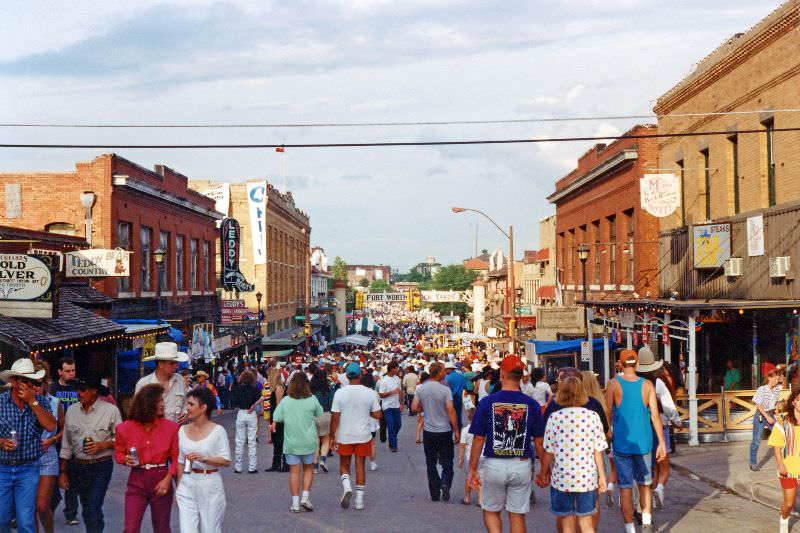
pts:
[353, 61]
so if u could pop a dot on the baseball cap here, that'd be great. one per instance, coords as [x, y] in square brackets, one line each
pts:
[628, 357]
[352, 370]
[512, 363]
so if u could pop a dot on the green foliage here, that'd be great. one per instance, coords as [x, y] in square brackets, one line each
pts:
[364, 282]
[379, 285]
[454, 278]
[417, 277]
[339, 270]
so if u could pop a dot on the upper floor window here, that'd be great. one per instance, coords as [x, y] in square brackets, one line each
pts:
[124, 230]
[769, 128]
[145, 237]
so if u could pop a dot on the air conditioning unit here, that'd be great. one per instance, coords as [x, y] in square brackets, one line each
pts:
[779, 266]
[733, 267]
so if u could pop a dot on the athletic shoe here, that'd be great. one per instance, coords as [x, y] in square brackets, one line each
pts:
[345, 501]
[609, 499]
[658, 500]
[754, 468]
[323, 467]
[307, 506]
[373, 466]
[648, 528]
[359, 505]
[252, 471]
[316, 470]
[295, 509]
[237, 471]
[446, 494]
[72, 522]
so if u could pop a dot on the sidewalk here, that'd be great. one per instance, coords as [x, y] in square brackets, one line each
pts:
[726, 466]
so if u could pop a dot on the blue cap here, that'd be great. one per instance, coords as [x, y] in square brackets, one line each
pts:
[352, 370]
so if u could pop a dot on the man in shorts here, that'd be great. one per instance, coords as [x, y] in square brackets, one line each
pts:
[634, 415]
[352, 408]
[503, 427]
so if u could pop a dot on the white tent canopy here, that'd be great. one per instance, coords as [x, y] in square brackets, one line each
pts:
[358, 340]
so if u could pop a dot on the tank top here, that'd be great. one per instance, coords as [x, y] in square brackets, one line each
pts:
[54, 402]
[482, 392]
[633, 433]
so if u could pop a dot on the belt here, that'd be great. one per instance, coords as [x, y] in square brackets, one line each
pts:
[91, 461]
[205, 471]
[18, 462]
[150, 466]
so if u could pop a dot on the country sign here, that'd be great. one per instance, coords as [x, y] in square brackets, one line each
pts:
[97, 263]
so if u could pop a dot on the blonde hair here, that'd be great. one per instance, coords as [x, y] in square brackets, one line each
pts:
[592, 388]
[570, 393]
[274, 377]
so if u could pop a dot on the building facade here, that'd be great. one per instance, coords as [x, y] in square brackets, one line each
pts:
[320, 278]
[597, 205]
[281, 281]
[355, 273]
[540, 268]
[135, 209]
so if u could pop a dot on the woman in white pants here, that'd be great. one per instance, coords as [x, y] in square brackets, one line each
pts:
[201, 495]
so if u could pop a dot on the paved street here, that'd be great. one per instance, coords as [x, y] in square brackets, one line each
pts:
[397, 501]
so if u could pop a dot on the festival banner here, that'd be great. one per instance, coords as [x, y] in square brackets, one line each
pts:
[257, 204]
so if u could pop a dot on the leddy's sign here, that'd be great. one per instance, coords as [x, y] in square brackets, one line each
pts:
[232, 279]
[97, 263]
[27, 287]
[660, 194]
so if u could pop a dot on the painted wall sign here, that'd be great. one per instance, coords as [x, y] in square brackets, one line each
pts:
[257, 204]
[97, 263]
[27, 285]
[755, 235]
[712, 245]
[660, 194]
[230, 238]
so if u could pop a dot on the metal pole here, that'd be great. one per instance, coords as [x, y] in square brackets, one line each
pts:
[158, 292]
[754, 372]
[667, 347]
[692, 382]
[606, 356]
[512, 324]
[308, 295]
[588, 320]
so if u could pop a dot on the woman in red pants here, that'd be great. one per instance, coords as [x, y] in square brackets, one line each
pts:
[154, 463]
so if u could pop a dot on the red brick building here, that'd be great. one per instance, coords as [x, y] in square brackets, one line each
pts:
[598, 204]
[135, 209]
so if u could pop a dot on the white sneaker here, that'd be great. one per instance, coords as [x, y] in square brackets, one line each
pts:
[359, 502]
[783, 526]
[346, 495]
[658, 499]
[295, 508]
[373, 466]
[307, 505]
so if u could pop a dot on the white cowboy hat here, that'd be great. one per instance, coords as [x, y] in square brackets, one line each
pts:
[22, 368]
[167, 351]
[647, 361]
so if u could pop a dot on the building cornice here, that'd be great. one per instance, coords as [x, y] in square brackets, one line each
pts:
[598, 172]
[126, 182]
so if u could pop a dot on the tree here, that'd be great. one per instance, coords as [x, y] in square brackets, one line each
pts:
[364, 282]
[453, 278]
[379, 285]
[339, 270]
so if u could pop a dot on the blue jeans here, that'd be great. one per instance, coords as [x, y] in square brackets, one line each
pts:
[18, 486]
[393, 424]
[91, 483]
[439, 449]
[458, 405]
[759, 423]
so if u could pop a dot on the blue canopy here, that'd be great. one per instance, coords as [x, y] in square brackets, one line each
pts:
[573, 346]
[175, 334]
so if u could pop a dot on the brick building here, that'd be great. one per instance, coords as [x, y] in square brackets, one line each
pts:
[597, 204]
[282, 280]
[355, 273]
[135, 209]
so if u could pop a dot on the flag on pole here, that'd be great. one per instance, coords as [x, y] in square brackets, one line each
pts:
[279, 149]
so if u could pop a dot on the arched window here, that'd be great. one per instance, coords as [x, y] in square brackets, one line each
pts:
[62, 228]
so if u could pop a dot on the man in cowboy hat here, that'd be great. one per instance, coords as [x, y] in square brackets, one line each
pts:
[24, 413]
[88, 467]
[167, 358]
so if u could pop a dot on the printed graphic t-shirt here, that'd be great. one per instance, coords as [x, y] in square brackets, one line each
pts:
[508, 420]
[573, 435]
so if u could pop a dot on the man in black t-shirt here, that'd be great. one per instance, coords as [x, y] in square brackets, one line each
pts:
[64, 389]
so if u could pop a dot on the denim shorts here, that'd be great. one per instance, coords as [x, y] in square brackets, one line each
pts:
[573, 503]
[297, 459]
[632, 468]
[48, 463]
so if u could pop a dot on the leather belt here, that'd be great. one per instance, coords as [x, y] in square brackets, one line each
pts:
[17, 462]
[91, 461]
[205, 471]
[151, 466]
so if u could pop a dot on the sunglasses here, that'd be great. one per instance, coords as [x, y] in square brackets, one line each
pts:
[30, 382]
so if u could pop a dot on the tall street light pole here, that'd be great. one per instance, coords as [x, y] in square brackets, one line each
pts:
[510, 282]
[583, 255]
[307, 327]
[159, 255]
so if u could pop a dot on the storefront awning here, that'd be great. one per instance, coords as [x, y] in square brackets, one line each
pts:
[698, 304]
[276, 353]
[358, 340]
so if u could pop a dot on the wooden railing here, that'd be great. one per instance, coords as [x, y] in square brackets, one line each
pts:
[721, 412]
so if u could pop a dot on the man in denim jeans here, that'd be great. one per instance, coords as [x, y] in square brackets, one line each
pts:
[23, 412]
[765, 400]
[390, 391]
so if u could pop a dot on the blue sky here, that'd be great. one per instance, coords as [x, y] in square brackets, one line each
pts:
[356, 61]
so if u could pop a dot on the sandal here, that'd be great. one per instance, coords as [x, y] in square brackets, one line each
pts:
[419, 442]
[465, 501]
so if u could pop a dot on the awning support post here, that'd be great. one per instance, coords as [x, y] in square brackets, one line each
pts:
[692, 385]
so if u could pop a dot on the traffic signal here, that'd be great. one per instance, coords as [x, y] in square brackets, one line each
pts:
[307, 329]
[410, 299]
[417, 300]
[359, 302]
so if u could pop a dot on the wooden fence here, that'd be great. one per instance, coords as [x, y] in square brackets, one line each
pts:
[721, 412]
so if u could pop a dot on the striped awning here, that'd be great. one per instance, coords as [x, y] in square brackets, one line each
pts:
[366, 325]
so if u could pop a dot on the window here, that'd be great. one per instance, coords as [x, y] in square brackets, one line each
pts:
[770, 130]
[206, 265]
[180, 281]
[163, 270]
[705, 162]
[629, 227]
[734, 154]
[124, 242]
[572, 263]
[596, 235]
[193, 264]
[562, 242]
[681, 170]
[145, 236]
[61, 228]
[612, 249]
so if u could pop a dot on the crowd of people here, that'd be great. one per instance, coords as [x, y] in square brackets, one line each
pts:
[473, 407]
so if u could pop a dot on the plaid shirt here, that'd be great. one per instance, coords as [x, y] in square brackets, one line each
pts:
[29, 431]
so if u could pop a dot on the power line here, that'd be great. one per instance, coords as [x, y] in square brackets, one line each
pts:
[392, 124]
[390, 143]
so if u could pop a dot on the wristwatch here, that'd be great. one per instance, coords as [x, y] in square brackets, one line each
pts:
[35, 403]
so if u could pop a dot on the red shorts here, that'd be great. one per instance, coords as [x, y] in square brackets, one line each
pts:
[362, 449]
[788, 482]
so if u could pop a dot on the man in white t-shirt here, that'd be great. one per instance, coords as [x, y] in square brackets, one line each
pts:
[391, 392]
[352, 408]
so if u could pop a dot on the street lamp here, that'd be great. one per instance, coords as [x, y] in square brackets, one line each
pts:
[510, 286]
[159, 256]
[87, 201]
[258, 299]
[583, 255]
[307, 325]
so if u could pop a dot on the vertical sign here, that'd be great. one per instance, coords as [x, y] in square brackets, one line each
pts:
[585, 351]
[221, 194]
[660, 194]
[257, 202]
[755, 235]
[232, 279]
[712, 245]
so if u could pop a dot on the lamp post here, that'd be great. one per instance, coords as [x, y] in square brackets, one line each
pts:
[87, 201]
[307, 326]
[258, 300]
[159, 256]
[583, 255]
[510, 285]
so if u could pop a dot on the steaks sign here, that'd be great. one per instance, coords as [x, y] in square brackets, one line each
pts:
[230, 237]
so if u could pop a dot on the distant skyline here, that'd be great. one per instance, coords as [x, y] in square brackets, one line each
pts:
[337, 61]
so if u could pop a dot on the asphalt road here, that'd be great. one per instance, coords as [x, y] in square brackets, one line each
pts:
[397, 501]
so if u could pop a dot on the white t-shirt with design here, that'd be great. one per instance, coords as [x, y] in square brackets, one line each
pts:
[573, 435]
[355, 403]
